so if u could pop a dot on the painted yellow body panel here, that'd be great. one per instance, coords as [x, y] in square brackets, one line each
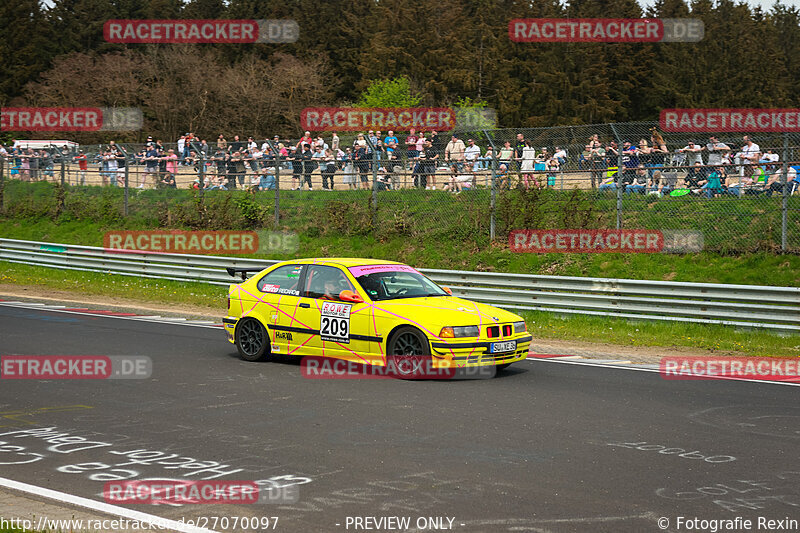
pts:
[296, 322]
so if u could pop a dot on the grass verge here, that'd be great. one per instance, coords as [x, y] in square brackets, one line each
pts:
[722, 339]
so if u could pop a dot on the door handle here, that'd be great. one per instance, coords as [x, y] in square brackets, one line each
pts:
[307, 306]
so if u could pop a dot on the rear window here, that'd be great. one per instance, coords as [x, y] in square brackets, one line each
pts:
[282, 280]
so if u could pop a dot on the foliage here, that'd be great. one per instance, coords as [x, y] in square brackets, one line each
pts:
[442, 50]
[389, 93]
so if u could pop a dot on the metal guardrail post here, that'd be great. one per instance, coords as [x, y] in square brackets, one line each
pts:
[785, 198]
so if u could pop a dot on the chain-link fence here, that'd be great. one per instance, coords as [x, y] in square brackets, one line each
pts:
[740, 190]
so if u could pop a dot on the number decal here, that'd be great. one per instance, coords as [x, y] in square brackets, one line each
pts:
[335, 322]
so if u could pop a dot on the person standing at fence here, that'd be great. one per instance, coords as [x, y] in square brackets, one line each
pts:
[519, 148]
[411, 147]
[431, 155]
[296, 165]
[596, 157]
[693, 153]
[172, 164]
[527, 164]
[230, 170]
[181, 144]
[150, 165]
[110, 167]
[471, 154]
[330, 169]
[349, 169]
[305, 139]
[308, 166]
[82, 168]
[454, 152]
[717, 151]
[36, 161]
[362, 161]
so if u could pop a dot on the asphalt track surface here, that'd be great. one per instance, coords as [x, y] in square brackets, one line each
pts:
[545, 446]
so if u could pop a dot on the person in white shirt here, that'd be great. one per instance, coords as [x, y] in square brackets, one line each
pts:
[693, 153]
[750, 151]
[528, 164]
[716, 151]
[181, 144]
[561, 155]
[471, 154]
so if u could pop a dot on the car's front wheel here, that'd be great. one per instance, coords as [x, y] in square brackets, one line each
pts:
[251, 340]
[409, 353]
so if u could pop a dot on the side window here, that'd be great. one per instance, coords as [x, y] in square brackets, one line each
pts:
[326, 283]
[282, 280]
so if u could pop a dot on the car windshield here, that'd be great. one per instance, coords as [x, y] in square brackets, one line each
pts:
[397, 284]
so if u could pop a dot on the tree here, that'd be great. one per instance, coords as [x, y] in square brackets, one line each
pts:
[26, 45]
[389, 93]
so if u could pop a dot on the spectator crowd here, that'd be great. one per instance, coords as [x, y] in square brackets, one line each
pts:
[430, 160]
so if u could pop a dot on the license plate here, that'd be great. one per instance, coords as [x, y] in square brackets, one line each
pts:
[500, 347]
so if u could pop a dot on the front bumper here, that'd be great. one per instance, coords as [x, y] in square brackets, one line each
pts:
[463, 354]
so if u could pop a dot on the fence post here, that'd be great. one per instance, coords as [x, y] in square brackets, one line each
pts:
[277, 153]
[619, 176]
[2, 184]
[785, 198]
[63, 170]
[374, 202]
[493, 191]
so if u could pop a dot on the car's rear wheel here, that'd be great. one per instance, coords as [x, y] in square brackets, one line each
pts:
[251, 340]
[408, 353]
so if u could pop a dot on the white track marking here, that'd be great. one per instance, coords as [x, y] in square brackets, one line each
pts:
[150, 318]
[102, 507]
[645, 368]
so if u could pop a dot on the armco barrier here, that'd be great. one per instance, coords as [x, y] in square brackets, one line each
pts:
[774, 308]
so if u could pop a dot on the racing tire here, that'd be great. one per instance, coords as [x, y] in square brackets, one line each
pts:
[252, 340]
[408, 353]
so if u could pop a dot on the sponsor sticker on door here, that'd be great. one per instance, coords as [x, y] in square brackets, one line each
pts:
[335, 322]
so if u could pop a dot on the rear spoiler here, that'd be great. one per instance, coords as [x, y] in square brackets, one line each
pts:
[232, 271]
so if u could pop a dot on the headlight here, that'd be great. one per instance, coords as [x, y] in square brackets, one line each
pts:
[520, 327]
[451, 332]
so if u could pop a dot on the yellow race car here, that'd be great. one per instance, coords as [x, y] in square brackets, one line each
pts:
[366, 311]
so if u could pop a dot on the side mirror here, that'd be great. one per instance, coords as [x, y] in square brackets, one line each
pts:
[350, 296]
[447, 290]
